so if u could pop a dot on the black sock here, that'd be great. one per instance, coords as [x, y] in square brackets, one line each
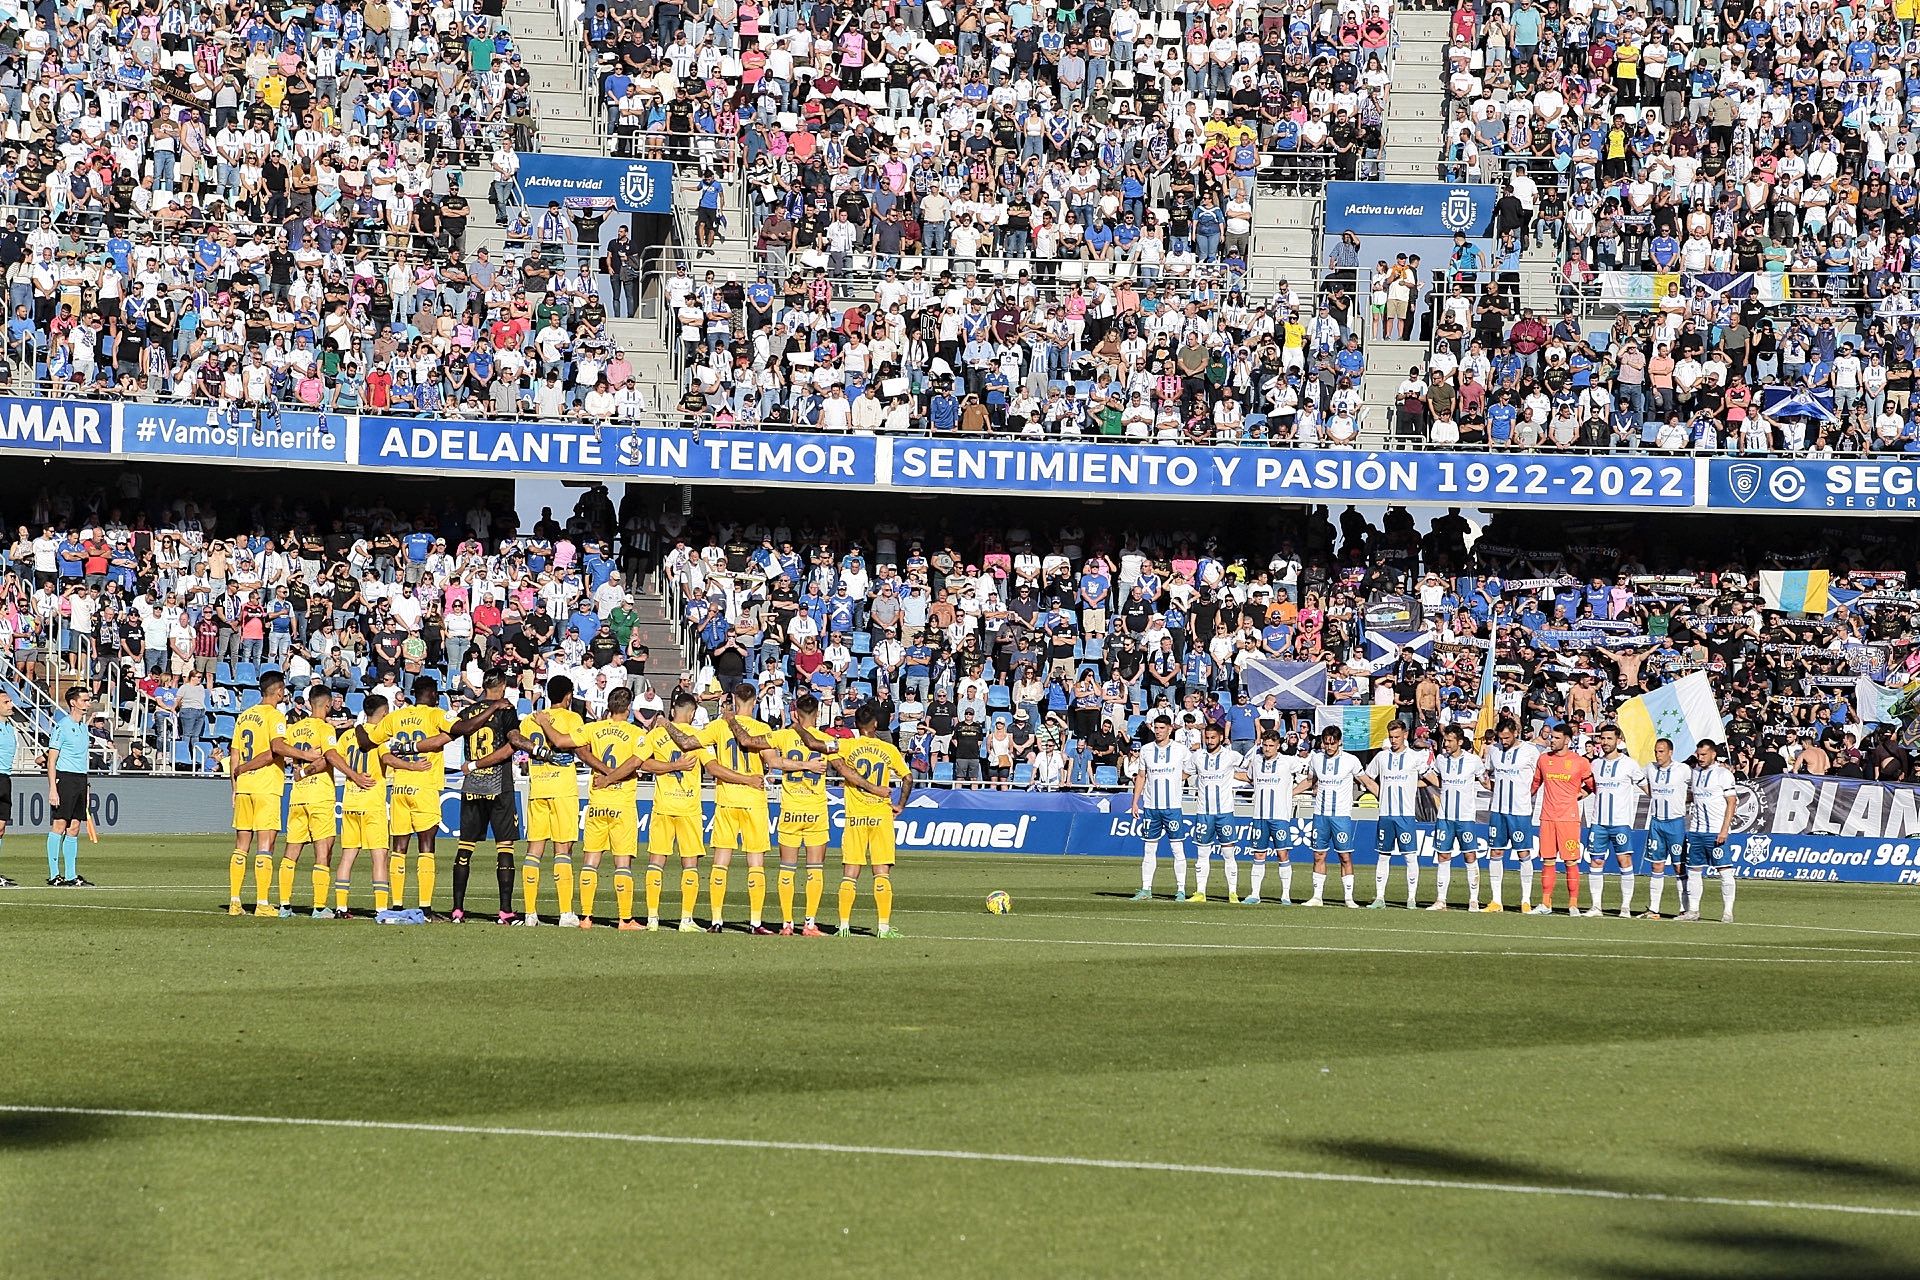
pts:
[503, 868]
[462, 867]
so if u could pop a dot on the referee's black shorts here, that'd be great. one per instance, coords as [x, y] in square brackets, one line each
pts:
[480, 814]
[6, 797]
[73, 797]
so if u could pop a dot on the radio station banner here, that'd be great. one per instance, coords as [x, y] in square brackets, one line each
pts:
[239, 434]
[628, 186]
[1411, 208]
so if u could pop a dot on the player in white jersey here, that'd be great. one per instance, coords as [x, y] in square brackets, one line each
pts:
[1457, 772]
[1666, 787]
[1159, 786]
[1617, 782]
[1710, 804]
[1510, 764]
[1274, 778]
[1396, 770]
[1331, 774]
[1215, 782]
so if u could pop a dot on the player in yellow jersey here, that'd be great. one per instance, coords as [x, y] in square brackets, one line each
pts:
[363, 812]
[741, 818]
[310, 808]
[260, 746]
[419, 731]
[803, 811]
[675, 756]
[870, 765]
[612, 749]
[553, 799]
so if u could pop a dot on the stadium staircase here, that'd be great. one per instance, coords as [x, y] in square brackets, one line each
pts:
[1413, 136]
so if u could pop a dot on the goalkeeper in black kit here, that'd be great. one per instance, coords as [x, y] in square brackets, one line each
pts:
[486, 797]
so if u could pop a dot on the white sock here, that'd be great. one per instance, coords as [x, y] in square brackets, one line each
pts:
[1346, 884]
[1382, 867]
[1473, 884]
[1656, 889]
[1726, 888]
[1319, 884]
[1231, 870]
[1496, 872]
[1626, 891]
[1286, 882]
[1203, 863]
[1696, 888]
[1149, 861]
[1259, 873]
[1442, 879]
[1526, 880]
[1597, 885]
[1413, 879]
[1179, 848]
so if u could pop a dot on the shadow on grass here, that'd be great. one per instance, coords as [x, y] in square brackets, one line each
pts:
[1756, 1253]
[1447, 1162]
[1806, 1164]
[33, 1131]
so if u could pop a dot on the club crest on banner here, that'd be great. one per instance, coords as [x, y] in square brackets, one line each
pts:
[1744, 479]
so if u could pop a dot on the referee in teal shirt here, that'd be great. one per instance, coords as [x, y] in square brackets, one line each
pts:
[9, 744]
[67, 789]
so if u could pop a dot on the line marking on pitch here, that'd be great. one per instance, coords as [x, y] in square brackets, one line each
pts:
[982, 1157]
[1439, 952]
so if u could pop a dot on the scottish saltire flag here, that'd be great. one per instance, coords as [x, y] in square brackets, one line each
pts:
[1722, 286]
[1385, 648]
[1684, 711]
[1787, 402]
[1361, 728]
[1296, 686]
[1802, 591]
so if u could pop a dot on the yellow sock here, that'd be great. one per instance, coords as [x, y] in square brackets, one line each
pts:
[563, 882]
[786, 893]
[589, 886]
[816, 890]
[689, 892]
[287, 865]
[623, 892]
[340, 886]
[756, 893]
[883, 898]
[426, 869]
[382, 898]
[262, 877]
[848, 888]
[530, 884]
[656, 879]
[397, 878]
[236, 874]
[322, 885]
[717, 893]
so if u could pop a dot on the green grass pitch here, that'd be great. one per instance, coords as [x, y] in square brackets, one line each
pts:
[1208, 1090]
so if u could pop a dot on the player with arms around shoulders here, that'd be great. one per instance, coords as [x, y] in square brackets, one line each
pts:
[260, 748]
[803, 811]
[1160, 776]
[1561, 777]
[1666, 787]
[1510, 764]
[1330, 775]
[613, 748]
[675, 756]
[742, 818]
[1274, 778]
[1396, 770]
[1710, 805]
[1619, 782]
[310, 810]
[553, 800]
[1216, 783]
[869, 765]
[1457, 772]
[487, 802]
[363, 812]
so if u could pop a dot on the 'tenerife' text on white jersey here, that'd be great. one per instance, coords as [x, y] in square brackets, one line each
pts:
[1616, 781]
[1333, 783]
[1398, 773]
[1214, 779]
[1460, 785]
[1667, 789]
[1512, 772]
[1166, 766]
[1273, 783]
[1707, 792]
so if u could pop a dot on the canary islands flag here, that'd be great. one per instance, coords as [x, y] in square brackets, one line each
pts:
[1361, 728]
[1684, 711]
[1802, 591]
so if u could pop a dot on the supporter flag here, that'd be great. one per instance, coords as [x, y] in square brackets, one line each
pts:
[1722, 286]
[1786, 402]
[1385, 649]
[1489, 710]
[1802, 591]
[1684, 711]
[1361, 728]
[1296, 686]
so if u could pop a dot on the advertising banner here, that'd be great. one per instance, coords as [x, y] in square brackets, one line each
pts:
[56, 426]
[1886, 483]
[239, 434]
[628, 186]
[1410, 208]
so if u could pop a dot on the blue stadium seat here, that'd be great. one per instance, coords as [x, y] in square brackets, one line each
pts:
[1133, 724]
[1106, 776]
[1095, 649]
[223, 728]
[862, 643]
[223, 674]
[943, 771]
[249, 698]
[356, 702]
[1022, 775]
[999, 697]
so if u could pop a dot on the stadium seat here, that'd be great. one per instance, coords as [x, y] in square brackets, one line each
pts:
[1106, 775]
[1022, 775]
[943, 771]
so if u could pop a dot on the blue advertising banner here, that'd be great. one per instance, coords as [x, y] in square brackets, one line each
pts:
[1410, 208]
[630, 186]
[615, 452]
[1887, 483]
[244, 435]
[56, 426]
[1151, 471]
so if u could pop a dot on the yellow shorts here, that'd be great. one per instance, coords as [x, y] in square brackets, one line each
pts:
[412, 812]
[614, 830]
[307, 823]
[554, 818]
[868, 841]
[802, 830]
[366, 829]
[742, 829]
[255, 812]
[669, 834]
